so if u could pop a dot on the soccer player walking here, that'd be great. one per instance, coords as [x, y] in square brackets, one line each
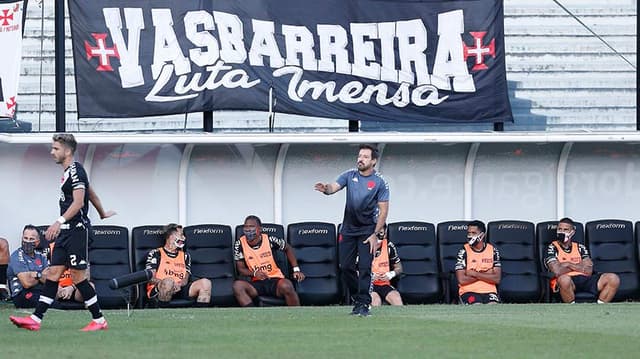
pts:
[70, 232]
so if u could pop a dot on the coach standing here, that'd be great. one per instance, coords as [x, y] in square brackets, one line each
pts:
[365, 214]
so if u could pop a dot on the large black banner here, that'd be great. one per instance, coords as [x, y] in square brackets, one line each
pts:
[419, 61]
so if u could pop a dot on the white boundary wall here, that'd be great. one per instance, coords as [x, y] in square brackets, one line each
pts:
[215, 178]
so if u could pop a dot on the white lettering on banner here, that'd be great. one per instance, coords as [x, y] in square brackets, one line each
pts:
[333, 43]
[230, 79]
[231, 37]
[405, 40]
[264, 44]
[130, 69]
[356, 92]
[299, 40]
[202, 39]
[167, 49]
[449, 57]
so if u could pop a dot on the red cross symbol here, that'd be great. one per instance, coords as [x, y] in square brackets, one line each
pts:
[102, 52]
[11, 103]
[6, 17]
[478, 51]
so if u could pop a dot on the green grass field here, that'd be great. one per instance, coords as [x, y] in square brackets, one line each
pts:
[429, 331]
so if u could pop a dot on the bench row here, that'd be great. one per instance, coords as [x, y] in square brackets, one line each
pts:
[428, 253]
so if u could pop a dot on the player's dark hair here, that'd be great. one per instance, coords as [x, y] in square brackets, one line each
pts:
[170, 229]
[253, 218]
[66, 139]
[569, 221]
[374, 150]
[478, 224]
[32, 228]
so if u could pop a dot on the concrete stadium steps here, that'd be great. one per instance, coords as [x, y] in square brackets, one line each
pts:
[591, 98]
[573, 5]
[568, 78]
[228, 121]
[48, 83]
[527, 44]
[611, 117]
[567, 25]
[519, 8]
[569, 62]
[572, 80]
[31, 47]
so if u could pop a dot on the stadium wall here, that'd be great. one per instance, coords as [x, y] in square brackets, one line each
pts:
[216, 178]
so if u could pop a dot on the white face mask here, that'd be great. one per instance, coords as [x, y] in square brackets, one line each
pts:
[179, 241]
[474, 239]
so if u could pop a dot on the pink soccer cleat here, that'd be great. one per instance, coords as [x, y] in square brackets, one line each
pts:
[94, 326]
[25, 323]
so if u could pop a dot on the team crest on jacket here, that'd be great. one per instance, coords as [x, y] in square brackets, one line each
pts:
[371, 185]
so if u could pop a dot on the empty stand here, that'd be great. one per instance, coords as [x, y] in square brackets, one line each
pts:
[613, 250]
[275, 230]
[109, 256]
[144, 239]
[452, 236]
[211, 249]
[545, 234]
[520, 282]
[416, 243]
[316, 250]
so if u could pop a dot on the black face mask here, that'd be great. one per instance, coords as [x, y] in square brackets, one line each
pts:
[250, 234]
[29, 248]
[561, 237]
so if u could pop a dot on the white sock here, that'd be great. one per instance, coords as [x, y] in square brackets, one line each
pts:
[36, 319]
[99, 320]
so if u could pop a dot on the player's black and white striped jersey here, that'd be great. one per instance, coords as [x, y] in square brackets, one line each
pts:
[73, 178]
